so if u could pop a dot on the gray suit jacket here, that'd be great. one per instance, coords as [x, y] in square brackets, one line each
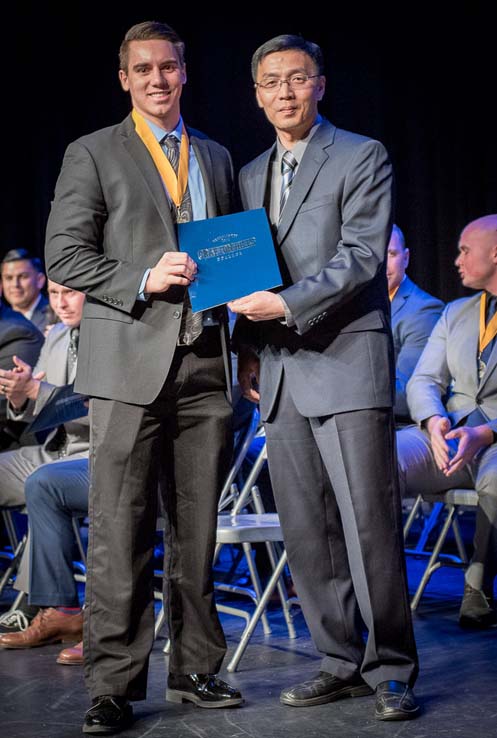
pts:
[448, 365]
[331, 244]
[414, 314]
[18, 337]
[110, 221]
[53, 361]
[41, 313]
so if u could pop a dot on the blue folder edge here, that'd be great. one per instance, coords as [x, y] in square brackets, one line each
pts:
[64, 405]
[235, 256]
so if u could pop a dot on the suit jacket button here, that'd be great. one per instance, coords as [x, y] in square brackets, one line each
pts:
[177, 314]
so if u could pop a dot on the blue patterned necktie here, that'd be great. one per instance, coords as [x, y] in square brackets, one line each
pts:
[191, 323]
[288, 164]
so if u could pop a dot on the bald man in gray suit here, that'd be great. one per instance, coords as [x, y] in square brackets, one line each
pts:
[326, 384]
[452, 395]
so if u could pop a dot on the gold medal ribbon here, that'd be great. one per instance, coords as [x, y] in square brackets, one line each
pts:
[175, 185]
[489, 331]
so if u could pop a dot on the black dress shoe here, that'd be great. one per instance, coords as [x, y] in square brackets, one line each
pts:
[108, 715]
[477, 611]
[204, 690]
[395, 701]
[323, 688]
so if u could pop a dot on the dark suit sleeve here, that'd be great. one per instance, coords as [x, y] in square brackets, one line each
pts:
[20, 339]
[365, 211]
[413, 333]
[75, 234]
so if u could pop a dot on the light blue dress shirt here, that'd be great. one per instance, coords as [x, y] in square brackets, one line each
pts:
[195, 185]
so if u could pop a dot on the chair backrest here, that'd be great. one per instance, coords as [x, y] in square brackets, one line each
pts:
[243, 440]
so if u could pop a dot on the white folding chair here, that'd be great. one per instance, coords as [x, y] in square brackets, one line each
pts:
[446, 507]
[239, 527]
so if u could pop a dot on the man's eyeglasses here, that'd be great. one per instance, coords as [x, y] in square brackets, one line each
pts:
[295, 82]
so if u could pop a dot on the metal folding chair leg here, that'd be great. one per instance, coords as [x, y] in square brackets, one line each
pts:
[257, 614]
[449, 503]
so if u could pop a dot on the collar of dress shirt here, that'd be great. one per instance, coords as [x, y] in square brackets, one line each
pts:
[159, 133]
[300, 146]
[29, 313]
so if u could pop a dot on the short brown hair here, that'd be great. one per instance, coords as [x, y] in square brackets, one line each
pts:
[147, 31]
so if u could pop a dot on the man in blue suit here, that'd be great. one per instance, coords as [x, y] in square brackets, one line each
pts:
[414, 314]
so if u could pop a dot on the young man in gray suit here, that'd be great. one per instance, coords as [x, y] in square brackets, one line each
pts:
[157, 379]
[325, 352]
[452, 395]
[414, 313]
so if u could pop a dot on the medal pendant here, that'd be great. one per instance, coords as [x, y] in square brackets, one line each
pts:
[182, 216]
[482, 368]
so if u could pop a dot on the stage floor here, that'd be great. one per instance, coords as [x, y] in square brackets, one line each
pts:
[456, 686]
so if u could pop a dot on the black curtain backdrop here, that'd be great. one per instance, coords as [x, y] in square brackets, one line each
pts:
[419, 78]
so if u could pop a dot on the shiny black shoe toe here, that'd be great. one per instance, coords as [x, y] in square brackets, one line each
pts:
[323, 688]
[395, 701]
[108, 715]
[204, 690]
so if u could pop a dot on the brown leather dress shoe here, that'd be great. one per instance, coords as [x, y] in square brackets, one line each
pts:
[71, 656]
[48, 626]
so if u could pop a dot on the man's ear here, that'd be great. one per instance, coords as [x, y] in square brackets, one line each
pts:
[40, 280]
[321, 87]
[123, 79]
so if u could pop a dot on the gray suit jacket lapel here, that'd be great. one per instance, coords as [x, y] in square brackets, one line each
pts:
[151, 176]
[314, 157]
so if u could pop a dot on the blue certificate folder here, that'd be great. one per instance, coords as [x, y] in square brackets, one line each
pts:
[64, 405]
[234, 254]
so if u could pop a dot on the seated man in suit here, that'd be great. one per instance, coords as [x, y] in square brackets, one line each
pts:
[23, 279]
[452, 395]
[414, 314]
[28, 391]
[55, 493]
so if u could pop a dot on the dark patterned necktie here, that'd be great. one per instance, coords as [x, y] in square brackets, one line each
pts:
[72, 353]
[191, 323]
[484, 356]
[288, 165]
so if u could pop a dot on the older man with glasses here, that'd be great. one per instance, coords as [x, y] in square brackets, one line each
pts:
[324, 349]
